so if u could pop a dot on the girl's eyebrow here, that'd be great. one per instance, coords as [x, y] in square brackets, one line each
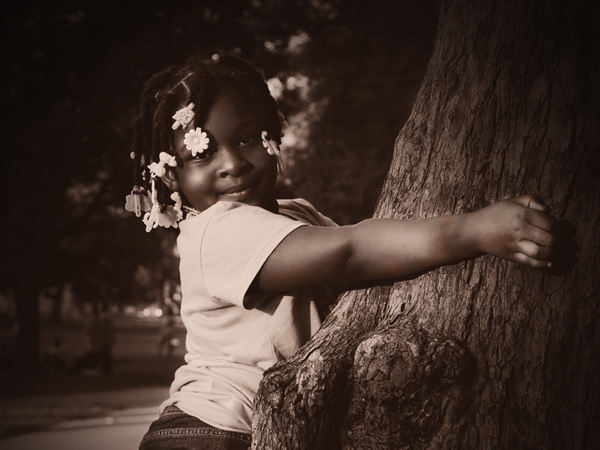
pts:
[246, 124]
[237, 128]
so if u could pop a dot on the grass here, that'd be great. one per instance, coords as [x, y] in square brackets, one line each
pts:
[37, 401]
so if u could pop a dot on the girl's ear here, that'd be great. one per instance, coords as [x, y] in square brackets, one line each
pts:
[170, 179]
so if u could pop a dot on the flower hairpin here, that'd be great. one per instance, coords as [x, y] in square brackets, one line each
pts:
[156, 214]
[158, 168]
[270, 144]
[183, 117]
[196, 141]
[165, 216]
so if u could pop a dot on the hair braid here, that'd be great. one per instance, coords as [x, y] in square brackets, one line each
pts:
[258, 91]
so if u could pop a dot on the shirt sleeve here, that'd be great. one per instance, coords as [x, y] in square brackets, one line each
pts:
[312, 216]
[237, 241]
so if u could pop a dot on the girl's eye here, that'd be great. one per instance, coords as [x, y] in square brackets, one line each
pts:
[248, 140]
[208, 153]
[205, 155]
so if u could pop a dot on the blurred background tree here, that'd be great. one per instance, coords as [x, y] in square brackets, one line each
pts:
[344, 74]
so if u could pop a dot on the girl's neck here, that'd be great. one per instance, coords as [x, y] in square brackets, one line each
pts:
[271, 206]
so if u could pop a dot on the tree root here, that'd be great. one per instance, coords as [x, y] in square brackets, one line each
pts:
[394, 387]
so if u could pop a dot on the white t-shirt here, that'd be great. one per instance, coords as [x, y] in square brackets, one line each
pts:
[232, 338]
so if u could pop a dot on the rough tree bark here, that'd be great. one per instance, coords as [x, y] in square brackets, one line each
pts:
[484, 354]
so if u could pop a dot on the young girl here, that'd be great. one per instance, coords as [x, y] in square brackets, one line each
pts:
[257, 272]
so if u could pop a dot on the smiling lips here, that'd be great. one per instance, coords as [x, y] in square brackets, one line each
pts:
[238, 193]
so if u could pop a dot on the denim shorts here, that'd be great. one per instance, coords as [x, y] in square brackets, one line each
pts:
[176, 430]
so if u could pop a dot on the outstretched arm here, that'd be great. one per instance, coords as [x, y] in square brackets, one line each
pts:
[518, 230]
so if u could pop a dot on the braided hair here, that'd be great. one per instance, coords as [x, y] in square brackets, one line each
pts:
[199, 82]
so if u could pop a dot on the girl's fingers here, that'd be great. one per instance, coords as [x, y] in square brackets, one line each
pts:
[540, 219]
[534, 251]
[522, 258]
[539, 235]
[533, 247]
[533, 202]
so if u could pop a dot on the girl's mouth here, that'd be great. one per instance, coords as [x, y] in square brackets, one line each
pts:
[239, 194]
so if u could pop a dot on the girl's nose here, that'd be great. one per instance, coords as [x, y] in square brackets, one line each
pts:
[231, 163]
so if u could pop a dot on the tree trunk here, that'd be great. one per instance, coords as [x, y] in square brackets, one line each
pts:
[485, 354]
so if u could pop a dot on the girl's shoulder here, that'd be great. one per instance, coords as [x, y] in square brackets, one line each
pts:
[302, 210]
[294, 203]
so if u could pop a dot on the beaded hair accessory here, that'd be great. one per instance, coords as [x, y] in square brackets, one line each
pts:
[141, 201]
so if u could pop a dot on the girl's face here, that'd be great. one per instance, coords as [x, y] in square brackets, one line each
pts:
[235, 167]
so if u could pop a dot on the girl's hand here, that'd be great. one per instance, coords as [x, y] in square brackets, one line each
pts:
[518, 229]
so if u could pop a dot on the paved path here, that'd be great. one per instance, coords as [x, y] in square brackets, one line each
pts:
[121, 430]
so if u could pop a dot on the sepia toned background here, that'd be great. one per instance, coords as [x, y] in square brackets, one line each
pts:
[344, 74]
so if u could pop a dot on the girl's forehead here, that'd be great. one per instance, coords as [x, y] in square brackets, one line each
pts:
[229, 111]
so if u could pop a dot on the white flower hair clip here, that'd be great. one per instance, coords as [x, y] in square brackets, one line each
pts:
[183, 117]
[270, 144]
[196, 141]
[167, 216]
[158, 168]
[140, 200]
